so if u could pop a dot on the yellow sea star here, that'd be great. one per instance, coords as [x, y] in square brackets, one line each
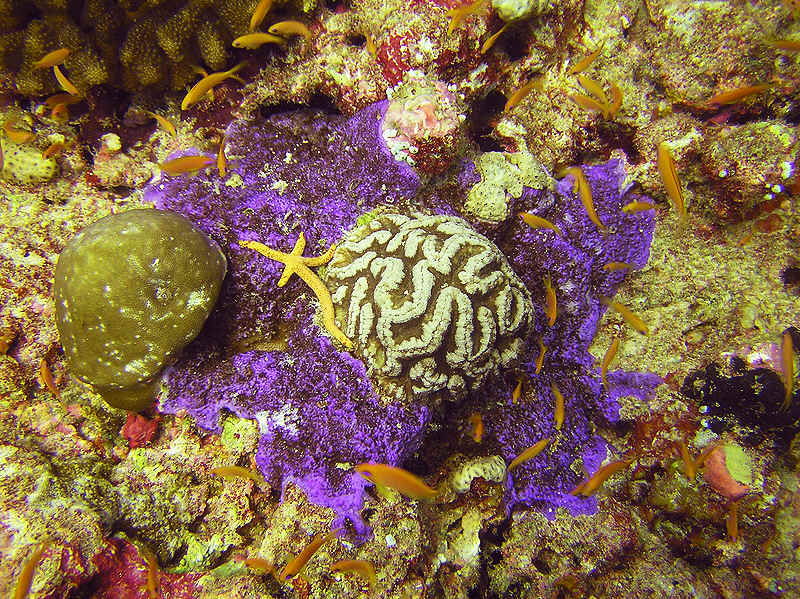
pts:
[295, 263]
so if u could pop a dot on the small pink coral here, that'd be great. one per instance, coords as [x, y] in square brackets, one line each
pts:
[717, 475]
[423, 124]
[139, 430]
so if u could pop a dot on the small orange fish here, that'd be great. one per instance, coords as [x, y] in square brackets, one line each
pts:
[60, 112]
[53, 149]
[239, 472]
[616, 100]
[590, 486]
[607, 359]
[363, 568]
[633, 207]
[584, 193]
[61, 98]
[288, 29]
[629, 317]
[369, 45]
[301, 559]
[492, 39]
[528, 454]
[737, 95]
[732, 521]
[537, 222]
[476, 422]
[222, 160]
[52, 59]
[689, 465]
[550, 305]
[585, 62]
[669, 175]
[252, 41]
[165, 124]
[398, 479]
[788, 45]
[18, 136]
[612, 266]
[457, 15]
[206, 84]
[65, 83]
[540, 357]
[787, 362]
[186, 164]
[558, 410]
[589, 103]
[46, 377]
[515, 395]
[594, 89]
[26, 574]
[523, 91]
[260, 564]
[262, 8]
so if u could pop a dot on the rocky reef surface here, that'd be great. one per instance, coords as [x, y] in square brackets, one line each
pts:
[438, 220]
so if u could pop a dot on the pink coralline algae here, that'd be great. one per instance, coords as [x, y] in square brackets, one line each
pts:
[263, 355]
[423, 125]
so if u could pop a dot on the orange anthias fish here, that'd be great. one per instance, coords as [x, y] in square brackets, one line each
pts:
[737, 95]
[669, 175]
[529, 453]
[398, 479]
[186, 164]
[26, 574]
[51, 59]
[206, 84]
[362, 567]
[301, 559]
[476, 422]
[787, 361]
[558, 410]
[262, 8]
[550, 303]
[590, 486]
[65, 83]
[584, 194]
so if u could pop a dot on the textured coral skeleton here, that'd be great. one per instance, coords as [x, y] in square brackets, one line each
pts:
[432, 304]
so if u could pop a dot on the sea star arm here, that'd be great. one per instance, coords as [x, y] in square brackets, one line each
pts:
[296, 263]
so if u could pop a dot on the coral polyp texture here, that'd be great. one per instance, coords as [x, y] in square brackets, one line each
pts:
[266, 356]
[431, 304]
[121, 320]
[130, 44]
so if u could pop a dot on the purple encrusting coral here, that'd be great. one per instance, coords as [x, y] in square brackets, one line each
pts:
[262, 356]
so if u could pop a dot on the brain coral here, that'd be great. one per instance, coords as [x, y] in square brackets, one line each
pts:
[263, 356]
[430, 303]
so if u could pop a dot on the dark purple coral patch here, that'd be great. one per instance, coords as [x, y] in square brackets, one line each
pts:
[263, 356]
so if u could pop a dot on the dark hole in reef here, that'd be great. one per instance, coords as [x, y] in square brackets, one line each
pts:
[616, 135]
[481, 116]
[495, 557]
[750, 398]
[514, 41]
[356, 39]
[541, 565]
[337, 5]
[791, 278]
[317, 102]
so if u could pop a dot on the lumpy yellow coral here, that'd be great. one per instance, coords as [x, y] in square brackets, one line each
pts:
[133, 44]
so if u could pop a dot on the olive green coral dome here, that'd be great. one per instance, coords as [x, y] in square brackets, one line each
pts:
[131, 290]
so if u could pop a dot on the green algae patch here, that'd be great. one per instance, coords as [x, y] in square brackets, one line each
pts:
[131, 290]
[739, 464]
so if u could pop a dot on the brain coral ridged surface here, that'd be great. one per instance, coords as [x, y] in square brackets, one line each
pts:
[265, 356]
[430, 303]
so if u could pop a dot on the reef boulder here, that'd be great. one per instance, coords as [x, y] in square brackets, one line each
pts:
[131, 290]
